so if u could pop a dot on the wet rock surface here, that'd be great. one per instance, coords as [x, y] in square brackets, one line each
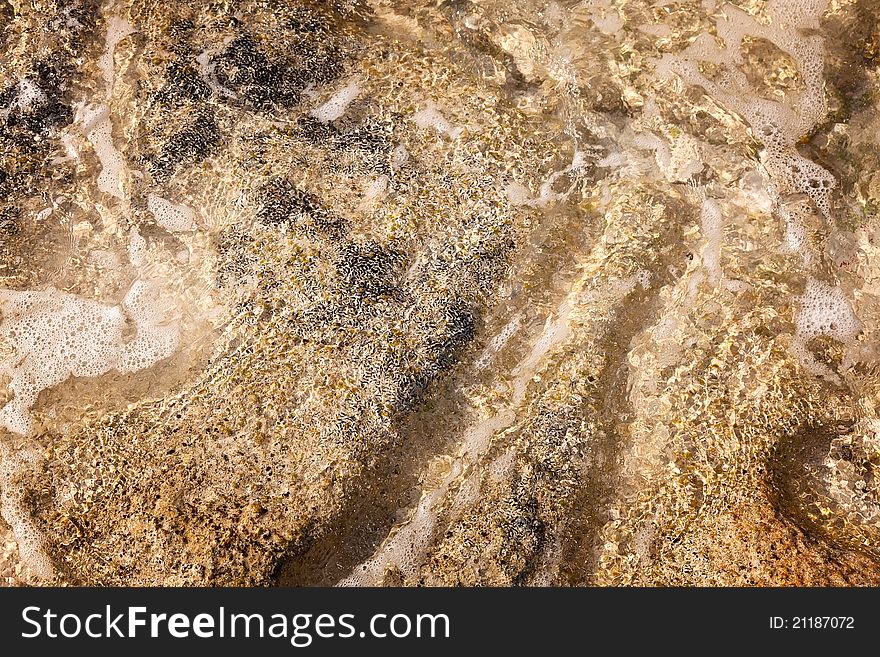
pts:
[420, 293]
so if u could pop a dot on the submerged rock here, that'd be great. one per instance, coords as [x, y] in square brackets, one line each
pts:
[494, 293]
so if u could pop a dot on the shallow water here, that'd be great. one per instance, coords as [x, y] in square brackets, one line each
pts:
[403, 292]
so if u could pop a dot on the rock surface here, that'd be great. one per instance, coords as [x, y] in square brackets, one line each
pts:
[462, 293]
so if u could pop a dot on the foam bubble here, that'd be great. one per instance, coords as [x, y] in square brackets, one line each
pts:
[517, 193]
[31, 544]
[29, 95]
[104, 259]
[430, 117]
[98, 129]
[376, 189]
[55, 335]
[173, 217]
[498, 342]
[824, 311]
[713, 237]
[399, 157]
[155, 339]
[338, 103]
[117, 29]
[799, 175]
[679, 161]
[797, 215]
[137, 247]
[777, 125]
[606, 17]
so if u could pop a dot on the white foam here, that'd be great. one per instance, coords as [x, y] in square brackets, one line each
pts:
[338, 103]
[407, 545]
[104, 259]
[137, 247]
[31, 544]
[778, 125]
[402, 549]
[796, 215]
[55, 335]
[713, 227]
[98, 129]
[753, 185]
[519, 194]
[431, 118]
[648, 141]
[117, 30]
[795, 237]
[824, 311]
[712, 223]
[798, 175]
[29, 95]
[376, 189]
[498, 342]
[605, 16]
[679, 161]
[156, 338]
[614, 160]
[399, 157]
[556, 330]
[173, 217]
[207, 68]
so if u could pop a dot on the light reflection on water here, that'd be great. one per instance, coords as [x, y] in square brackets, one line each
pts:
[537, 295]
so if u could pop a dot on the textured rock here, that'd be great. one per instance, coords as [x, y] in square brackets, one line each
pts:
[466, 293]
